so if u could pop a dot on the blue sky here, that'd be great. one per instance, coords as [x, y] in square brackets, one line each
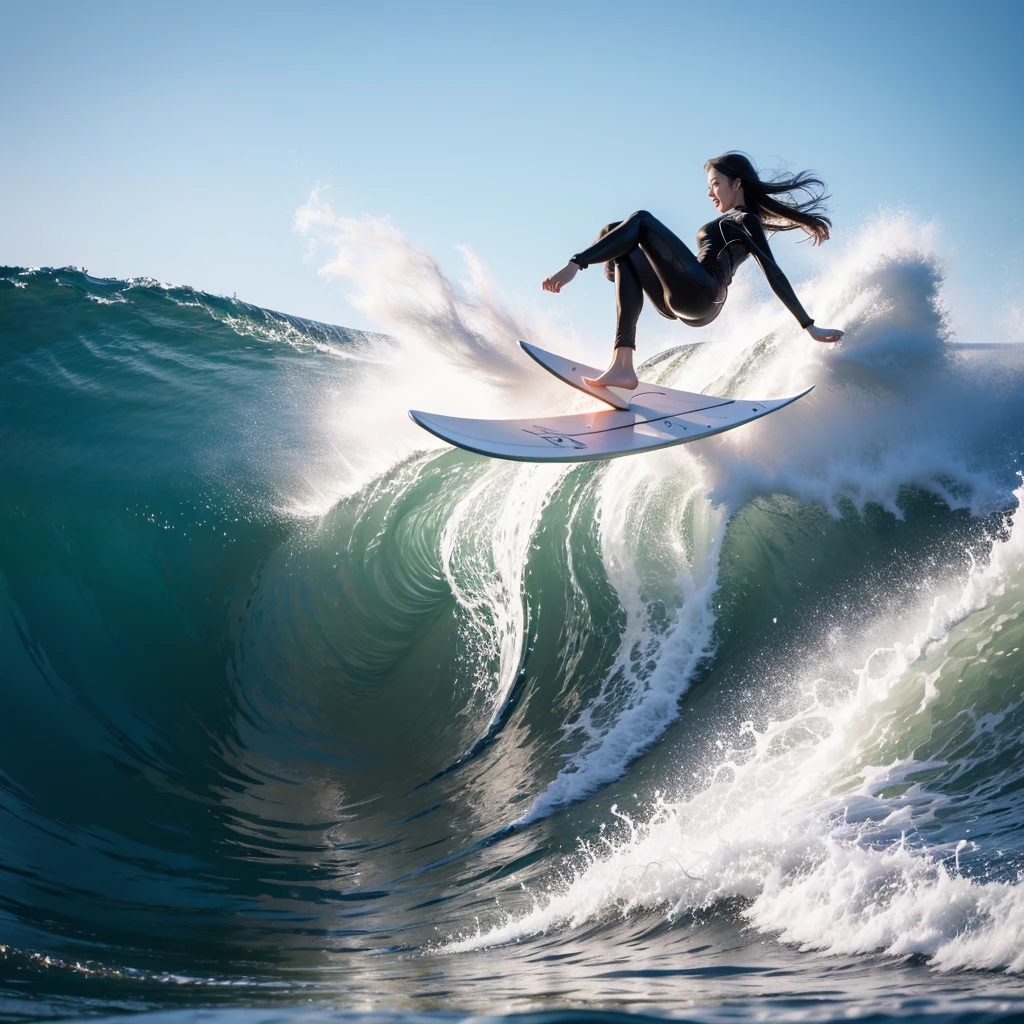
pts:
[176, 141]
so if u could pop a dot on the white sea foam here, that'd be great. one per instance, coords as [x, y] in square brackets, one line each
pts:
[894, 404]
[639, 695]
[484, 548]
[1013, 322]
[803, 826]
[455, 348]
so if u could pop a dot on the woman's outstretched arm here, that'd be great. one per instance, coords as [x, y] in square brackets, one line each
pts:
[757, 242]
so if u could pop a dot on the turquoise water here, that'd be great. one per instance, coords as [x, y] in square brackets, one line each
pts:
[303, 713]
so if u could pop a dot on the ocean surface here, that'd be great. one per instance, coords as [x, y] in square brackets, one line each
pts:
[304, 715]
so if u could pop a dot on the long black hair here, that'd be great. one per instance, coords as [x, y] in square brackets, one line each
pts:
[779, 214]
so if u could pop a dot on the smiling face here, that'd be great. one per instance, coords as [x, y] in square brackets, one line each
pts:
[726, 193]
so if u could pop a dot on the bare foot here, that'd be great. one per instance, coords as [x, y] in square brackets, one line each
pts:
[614, 377]
[620, 373]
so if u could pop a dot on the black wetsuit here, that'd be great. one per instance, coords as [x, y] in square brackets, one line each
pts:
[642, 255]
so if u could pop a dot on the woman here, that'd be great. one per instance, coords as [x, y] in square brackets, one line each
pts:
[643, 256]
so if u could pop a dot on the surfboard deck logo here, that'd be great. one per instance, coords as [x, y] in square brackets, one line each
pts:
[645, 419]
[553, 437]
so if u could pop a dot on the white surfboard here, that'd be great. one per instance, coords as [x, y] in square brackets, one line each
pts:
[573, 372]
[647, 418]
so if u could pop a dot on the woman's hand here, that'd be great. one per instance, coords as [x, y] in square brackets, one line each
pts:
[564, 276]
[824, 333]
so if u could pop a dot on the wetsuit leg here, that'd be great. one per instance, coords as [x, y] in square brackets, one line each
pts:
[632, 276]
[609, 268]
[688, 291]
[629, 300]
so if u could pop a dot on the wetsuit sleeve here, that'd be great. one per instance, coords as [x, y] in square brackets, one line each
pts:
[758, 245]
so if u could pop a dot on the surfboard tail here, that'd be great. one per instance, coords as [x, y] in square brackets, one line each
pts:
[572, 372]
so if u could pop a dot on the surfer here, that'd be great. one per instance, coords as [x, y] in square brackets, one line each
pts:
[641, 256]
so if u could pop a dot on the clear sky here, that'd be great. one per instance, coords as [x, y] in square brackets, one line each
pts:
[177, 141]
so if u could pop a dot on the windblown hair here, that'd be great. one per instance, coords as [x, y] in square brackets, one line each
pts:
[783, 214]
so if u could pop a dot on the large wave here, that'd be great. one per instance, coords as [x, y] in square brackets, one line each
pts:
[306, 676]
